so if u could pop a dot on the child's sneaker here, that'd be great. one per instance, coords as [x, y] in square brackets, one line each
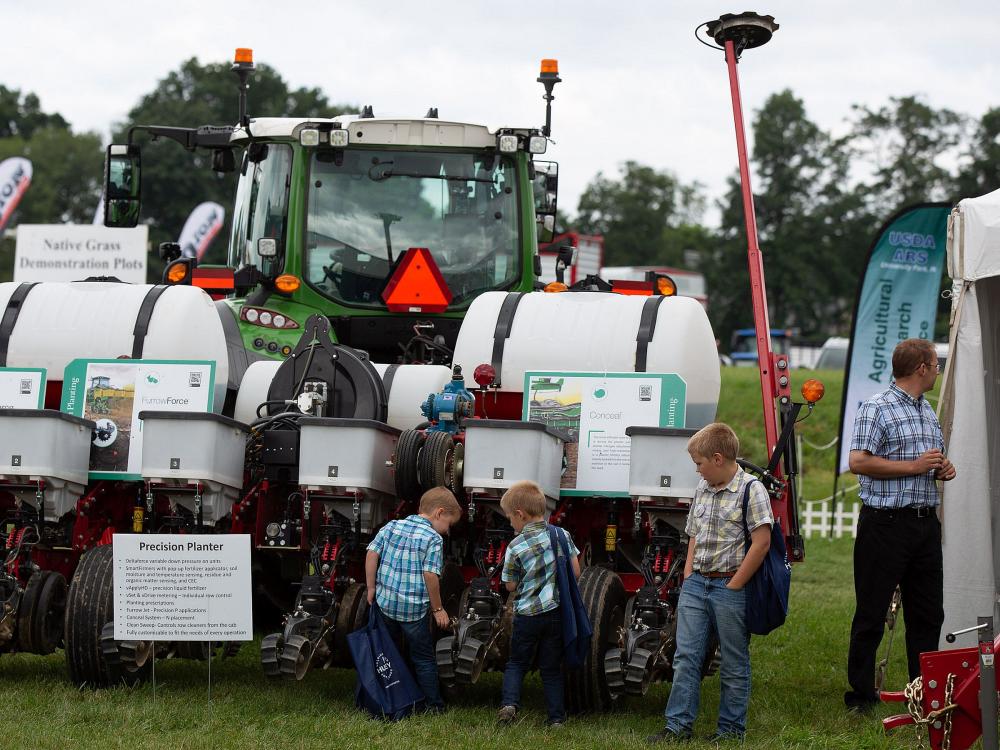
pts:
[507, 714]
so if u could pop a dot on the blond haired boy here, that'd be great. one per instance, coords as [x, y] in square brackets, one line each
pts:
[715, 571]
[403, 569]
[529, 572]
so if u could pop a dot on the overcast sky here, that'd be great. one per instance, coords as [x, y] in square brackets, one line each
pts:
[636, 83]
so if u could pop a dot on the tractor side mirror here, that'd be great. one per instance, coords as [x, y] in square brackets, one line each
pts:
[122, 182]
[565, 256]
[545, 189]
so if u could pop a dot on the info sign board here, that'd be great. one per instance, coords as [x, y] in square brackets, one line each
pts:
[22, 388]
[182, 587]
[72, 252]
[591, 411]
[112, 392]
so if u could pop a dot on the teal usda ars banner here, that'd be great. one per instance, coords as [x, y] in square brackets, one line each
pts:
[590, 412]
[112, 393]
[898, 300]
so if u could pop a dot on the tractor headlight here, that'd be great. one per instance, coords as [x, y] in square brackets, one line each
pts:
[309, 137]
[537, 144]
[339, 138]
[507, 144]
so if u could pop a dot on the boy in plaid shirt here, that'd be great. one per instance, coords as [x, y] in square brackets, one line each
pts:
[403, 568]
[712, 597]
[529, 572]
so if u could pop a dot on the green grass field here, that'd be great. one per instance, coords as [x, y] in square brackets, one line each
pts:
[798, 679]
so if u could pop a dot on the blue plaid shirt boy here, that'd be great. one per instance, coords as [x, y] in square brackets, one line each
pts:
[896, 426]
[406, 549]
[530, 563]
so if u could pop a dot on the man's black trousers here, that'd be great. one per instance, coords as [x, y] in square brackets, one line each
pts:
[894, 548]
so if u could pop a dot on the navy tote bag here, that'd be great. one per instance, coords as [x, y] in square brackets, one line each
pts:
[576, 627]
[767, 592]
[386, 688]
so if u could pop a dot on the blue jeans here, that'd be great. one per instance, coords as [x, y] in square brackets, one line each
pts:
[706, 604]
[421, 652]
[543, 632]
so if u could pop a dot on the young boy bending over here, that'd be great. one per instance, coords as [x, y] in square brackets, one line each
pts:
[529, 572]
[403, 567]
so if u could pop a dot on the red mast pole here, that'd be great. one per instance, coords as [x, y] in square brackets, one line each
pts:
[765, 355]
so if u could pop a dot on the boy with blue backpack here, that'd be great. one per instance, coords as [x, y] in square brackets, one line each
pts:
[529, 573]
[717, 567]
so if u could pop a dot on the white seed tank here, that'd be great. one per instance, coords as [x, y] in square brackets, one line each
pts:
[58, 322]
[593, 332]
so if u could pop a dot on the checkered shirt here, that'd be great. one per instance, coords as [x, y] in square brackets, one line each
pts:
[715, 521]
[407, 549]
[896, 426]
[530, 563]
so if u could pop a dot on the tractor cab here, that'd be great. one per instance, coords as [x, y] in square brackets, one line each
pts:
[389, 227]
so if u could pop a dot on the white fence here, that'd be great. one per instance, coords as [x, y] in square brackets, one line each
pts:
[815, 519]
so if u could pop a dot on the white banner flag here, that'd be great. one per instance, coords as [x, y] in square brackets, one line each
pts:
[15, 177]
[99, 212]
[200, 229]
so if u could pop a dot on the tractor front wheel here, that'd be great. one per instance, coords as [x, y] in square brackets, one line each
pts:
[89, 608]
[604, 597]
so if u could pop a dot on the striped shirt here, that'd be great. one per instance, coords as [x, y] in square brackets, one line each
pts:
[898, 427]
[530, 564]
[407, 549]
[715, 522]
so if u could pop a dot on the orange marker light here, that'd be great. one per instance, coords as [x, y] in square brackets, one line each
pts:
[177, 273]
[813, 390]
[243, 55]
[666, 286]
[550, 66]
[556, 286]
[287, 283]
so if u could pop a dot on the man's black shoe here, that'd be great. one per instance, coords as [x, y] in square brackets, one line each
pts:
[667, 737]
[857, 703]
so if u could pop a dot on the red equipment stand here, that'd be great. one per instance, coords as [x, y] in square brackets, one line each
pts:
[955, 696]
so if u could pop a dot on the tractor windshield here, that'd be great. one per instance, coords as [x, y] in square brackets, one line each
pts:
[261, 203]
[367, 208]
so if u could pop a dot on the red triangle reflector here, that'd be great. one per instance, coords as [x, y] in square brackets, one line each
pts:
[417, 284]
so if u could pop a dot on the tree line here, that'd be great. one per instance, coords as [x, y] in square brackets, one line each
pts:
[819, 197]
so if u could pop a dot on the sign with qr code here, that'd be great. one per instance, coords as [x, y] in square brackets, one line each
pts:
[113, 392]
[590, 411]
[22, 388]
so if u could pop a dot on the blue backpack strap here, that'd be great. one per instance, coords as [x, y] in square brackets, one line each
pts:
[746, 505]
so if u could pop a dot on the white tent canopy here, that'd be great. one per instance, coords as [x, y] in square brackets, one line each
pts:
[970, 417]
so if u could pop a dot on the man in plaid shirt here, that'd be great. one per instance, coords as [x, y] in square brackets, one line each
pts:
[403, 567]
[716, 569]
[897, 452]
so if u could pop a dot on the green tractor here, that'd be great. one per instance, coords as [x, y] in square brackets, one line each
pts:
[389, 228]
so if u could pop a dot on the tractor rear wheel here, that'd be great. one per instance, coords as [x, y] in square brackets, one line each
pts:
[89, 607]
[604, 597]
[352, 614]
[407, 453]
[435, 460]
[42, 612]
[452, 588]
